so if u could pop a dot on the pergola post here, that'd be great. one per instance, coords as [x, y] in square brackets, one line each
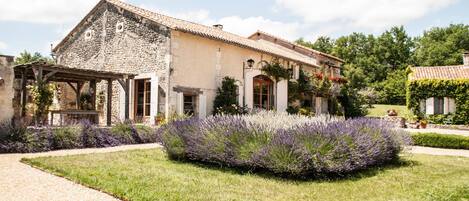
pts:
[127, 100]
[23, 93]
[126, 86]
[109, 103]
[78, 94]
[93, 94]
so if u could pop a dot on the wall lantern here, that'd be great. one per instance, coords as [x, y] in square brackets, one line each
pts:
[250, 63]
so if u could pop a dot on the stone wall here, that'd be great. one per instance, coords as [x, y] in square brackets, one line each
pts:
[116, 40]
[6, 88]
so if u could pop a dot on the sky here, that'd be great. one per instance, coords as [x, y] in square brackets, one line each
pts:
[34, 25]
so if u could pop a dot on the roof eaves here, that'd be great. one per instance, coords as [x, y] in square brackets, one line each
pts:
[297, 45]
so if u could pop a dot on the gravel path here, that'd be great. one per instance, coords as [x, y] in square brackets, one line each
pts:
[438, 151]
[20, 182]
[440, 131]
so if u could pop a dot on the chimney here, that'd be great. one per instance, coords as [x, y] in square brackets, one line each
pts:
[218, 26]
[466, 58]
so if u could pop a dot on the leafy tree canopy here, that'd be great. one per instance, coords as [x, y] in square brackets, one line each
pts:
[27, 57]
[379, 61]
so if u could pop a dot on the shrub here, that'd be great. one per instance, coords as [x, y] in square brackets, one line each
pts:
[226, 100]
[284, 144]
[441, 140]
[129, 133]
[17, 138]
[66, 137]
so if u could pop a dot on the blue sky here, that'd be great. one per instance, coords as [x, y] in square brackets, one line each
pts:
[35, 24]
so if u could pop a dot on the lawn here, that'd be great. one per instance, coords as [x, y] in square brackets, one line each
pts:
[381, 110]
[149, 175]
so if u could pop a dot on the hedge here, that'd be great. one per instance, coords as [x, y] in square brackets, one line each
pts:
[441, 140]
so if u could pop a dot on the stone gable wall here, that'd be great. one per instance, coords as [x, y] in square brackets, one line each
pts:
[139, 47]
[6, 88]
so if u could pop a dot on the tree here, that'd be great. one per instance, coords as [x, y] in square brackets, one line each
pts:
[393, 89]
[394, 49]
[26, 57]
[441, 46]
[322, 44]
[226, 100]
[298, 89]
[350, 97]
[358, 50]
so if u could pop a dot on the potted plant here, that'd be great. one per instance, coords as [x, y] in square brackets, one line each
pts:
[423, 123]
[160, 118]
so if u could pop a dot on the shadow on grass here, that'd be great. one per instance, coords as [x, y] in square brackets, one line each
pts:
[350, 176]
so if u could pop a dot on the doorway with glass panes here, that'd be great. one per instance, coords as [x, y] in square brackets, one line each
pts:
[142, 100]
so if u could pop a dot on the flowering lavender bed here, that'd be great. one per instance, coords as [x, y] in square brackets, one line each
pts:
[17, 138]
[284, 144]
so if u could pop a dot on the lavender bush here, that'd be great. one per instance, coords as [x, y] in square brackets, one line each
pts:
[17, 138]
[294, 146]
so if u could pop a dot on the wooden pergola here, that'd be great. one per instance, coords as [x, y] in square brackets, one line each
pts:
[42, 71]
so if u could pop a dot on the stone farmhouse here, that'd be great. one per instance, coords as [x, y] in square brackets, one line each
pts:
[180, 64]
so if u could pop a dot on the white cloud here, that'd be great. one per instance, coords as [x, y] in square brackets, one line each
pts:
[247, 26]
[3, 45]
[368, 14]
[45, 11]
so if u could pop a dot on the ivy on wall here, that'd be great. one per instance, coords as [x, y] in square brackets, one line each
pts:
[423, 89]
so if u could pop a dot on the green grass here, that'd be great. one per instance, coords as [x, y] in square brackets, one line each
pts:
[441, 140]
[149, 175]
[381, 110]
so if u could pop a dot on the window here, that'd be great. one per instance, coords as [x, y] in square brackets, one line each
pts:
[190, 104]
[263, 92]
[142, 98]
[438, 105]
[89, 34]
[119, 27]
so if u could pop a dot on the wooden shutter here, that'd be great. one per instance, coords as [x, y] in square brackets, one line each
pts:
[429, 103]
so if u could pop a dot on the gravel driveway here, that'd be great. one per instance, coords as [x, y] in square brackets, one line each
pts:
[20, 182]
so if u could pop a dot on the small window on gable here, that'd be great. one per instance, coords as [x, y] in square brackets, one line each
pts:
[119, 27]
[89, 34]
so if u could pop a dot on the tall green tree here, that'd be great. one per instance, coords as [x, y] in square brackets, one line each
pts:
[322, 44]
[358, 49]
[226, 100]
[394, 49]
[441, 46]
[27, 57]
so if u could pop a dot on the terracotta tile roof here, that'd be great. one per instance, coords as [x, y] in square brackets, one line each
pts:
[298, 45]
[439, 72]
[208, 32]
[215, 33]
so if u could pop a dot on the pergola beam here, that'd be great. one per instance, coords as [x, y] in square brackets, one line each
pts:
[48, 75]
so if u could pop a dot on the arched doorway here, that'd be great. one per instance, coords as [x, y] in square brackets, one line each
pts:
[263, 92]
